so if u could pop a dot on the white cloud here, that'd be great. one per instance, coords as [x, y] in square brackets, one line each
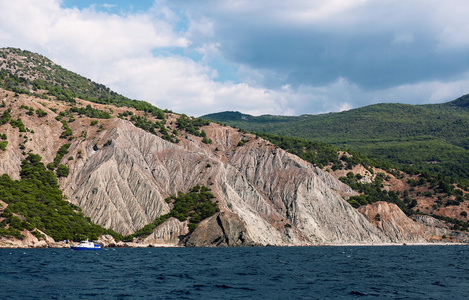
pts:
[303, 11]
[182, 85]
[117, 51]
[124, 51]
[69, 33]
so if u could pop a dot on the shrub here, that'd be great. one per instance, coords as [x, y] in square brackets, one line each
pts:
[195, 206]
[18, 124]
[62, 171]
[5, 117]
[206, 140]
[40, 113]
[242, 142]
[37, 197]
[67, 131]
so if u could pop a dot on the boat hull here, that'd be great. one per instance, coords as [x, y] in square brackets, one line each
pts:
[86, 245]
[84, 248]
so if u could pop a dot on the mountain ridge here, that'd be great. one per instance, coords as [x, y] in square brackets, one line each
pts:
[432, 137]
[126, 163]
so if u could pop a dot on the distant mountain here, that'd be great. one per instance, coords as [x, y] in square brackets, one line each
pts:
[78, 160]
[432, 138]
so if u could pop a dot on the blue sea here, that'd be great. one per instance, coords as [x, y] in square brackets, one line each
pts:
[386, 272]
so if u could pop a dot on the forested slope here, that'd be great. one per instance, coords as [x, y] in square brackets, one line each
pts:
[432, 138]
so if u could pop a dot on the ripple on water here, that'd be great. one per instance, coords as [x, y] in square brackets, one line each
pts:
[237, 273]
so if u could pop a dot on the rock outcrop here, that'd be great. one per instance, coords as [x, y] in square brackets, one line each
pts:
[120, 176]
[170, 233]
[224, 229]
[401, 229]
[31, 241]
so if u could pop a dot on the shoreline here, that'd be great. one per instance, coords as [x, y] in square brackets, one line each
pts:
[398, 244]
[136, 245]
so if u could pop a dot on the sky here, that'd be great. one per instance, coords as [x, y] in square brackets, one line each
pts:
[254, 56]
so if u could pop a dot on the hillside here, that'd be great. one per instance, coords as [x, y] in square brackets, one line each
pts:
[433, 138]
[160, 178]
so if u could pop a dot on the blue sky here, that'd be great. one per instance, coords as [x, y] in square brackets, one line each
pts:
[117, 7]
[258, 57]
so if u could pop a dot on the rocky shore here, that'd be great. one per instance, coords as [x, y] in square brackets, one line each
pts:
[107, 241]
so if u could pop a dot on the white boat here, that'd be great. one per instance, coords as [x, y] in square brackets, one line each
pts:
[86, 245]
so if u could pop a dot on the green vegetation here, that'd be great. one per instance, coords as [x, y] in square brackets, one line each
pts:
[62, 171]
[321, 154]
[150, 126]
[66, 86]
[206, 140]
[30, 110]
[4, 143]
[40, 113]
[67, 131]
[63, 150]
[327, 156]
[431, 141]
[91, 112]
[373, 192]
[242, 142]
[195, 206]
[18, 124]
[37, 199]
[5, 117]
[432, 138]
[192, 125]
[62, 84]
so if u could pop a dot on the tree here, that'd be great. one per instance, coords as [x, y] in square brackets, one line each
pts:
[62, 171]
[40, 113]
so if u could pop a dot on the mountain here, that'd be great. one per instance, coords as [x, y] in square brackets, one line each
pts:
[138, 172]
[432, 138]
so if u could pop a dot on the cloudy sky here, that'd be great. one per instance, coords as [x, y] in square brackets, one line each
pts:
[254, 56]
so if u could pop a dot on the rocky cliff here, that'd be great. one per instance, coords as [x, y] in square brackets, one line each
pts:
[120, 175]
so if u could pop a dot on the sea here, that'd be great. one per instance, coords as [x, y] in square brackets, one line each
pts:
[345, 272]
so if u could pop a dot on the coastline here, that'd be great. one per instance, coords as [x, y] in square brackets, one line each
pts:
[61, 245]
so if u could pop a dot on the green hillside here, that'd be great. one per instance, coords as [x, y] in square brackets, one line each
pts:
[35, 202]
[26, 72]
[430, 137]
[433, 138]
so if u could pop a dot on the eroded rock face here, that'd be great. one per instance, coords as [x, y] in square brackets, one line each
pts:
[115, 185]
[395, 224]
[120, 176]
[30, 241]
[170, 233]
[276, 190]
[221, 230]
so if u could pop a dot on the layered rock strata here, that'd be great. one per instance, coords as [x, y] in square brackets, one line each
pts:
[120, 176]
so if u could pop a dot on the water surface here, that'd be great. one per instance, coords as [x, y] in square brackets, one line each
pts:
[393, 272]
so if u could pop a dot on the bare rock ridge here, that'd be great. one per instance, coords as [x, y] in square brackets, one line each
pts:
[120, 176]
[169, 233]
[224, 229]
[277, 199]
